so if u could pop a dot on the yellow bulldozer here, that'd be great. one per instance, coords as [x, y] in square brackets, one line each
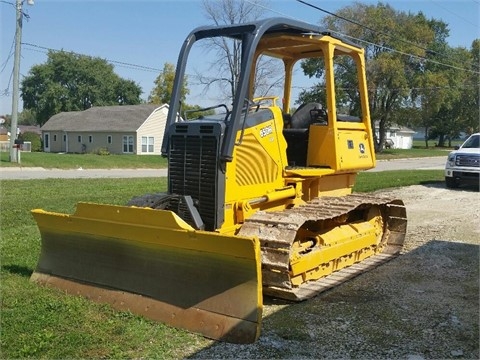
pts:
[259, 200]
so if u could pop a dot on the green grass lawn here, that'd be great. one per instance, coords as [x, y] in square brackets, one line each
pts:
[42, 323]
[420, 144]
[372, 181]
[391, 154]
[85, 161]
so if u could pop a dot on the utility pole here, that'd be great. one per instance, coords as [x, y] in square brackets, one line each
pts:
[16, 79]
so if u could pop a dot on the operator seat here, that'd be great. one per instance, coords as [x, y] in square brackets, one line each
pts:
[296, 135]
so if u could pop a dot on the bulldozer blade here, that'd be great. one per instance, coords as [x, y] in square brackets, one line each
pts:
[154, 264]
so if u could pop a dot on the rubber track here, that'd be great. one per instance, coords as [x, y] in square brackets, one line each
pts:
[277, 231]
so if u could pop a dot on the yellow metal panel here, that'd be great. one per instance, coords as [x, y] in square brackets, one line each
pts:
[347, 151]
[341, 241]
[354, 150]
[155, 254]
[309, 172]
[142, 225]
[258, 160]
[254, 165]
[322, 151]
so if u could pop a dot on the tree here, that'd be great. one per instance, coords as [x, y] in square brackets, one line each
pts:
[27, 117]
[439, 89]
[71, 82]
[162, 92]
[34, 138]
[469, 100]
[228, 53]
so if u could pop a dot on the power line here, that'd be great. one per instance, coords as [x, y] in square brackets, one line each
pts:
[451, 12]
[119, 63]
[44, 50]
[7, 92]
[408, 54]
[428, 51]
[367, 42]
[401, 88]
[9, 3]
[4, 65]
[25, 14]
[156, 70]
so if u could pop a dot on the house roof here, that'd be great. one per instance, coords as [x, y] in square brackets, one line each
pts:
[123, 118]
[30, 128]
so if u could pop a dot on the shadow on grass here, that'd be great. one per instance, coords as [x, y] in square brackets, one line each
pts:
[441, 185]
[433, 183]
[431, 292]
[18, 270]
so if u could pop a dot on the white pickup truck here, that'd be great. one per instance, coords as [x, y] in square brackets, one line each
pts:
[463, 164]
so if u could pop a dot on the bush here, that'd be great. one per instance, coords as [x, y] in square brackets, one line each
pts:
[33, 138]
[101, 151]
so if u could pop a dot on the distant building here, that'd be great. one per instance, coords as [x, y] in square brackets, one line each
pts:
[35, 129]
[399, 137]
[4, 133]
[125, 129]
[21, 129]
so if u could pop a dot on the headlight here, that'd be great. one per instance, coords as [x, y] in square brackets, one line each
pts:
[451, 160]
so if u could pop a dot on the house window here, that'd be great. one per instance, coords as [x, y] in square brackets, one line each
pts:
[109, 139]
[54, 137]
[148, 144]
[79, 138]
[90, 138]
[64, 138]
[128, 143]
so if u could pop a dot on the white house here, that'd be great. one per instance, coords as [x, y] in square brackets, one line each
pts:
[401, 137]
[124, 129]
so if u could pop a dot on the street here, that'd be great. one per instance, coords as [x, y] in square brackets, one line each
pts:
[427, 163]
[25, 173]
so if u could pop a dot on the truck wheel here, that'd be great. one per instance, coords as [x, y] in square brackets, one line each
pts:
[451, 183]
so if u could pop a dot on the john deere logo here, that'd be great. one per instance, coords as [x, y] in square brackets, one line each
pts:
[361, 147]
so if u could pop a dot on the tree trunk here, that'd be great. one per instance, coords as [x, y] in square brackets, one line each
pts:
[381, 135]
[426, 137]
[441, 140]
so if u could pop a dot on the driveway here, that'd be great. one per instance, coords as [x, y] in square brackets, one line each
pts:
[24, 173]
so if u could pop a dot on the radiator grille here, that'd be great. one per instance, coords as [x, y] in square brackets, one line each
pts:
[193, 171]
[468, 160]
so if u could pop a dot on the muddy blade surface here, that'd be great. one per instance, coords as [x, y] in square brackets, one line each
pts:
[152, 263]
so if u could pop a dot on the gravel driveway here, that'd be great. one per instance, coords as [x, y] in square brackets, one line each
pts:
[422, 305]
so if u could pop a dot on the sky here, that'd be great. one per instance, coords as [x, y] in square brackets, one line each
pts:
[150, 33]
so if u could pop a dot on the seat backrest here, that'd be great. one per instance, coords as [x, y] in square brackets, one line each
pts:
[302, 118]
